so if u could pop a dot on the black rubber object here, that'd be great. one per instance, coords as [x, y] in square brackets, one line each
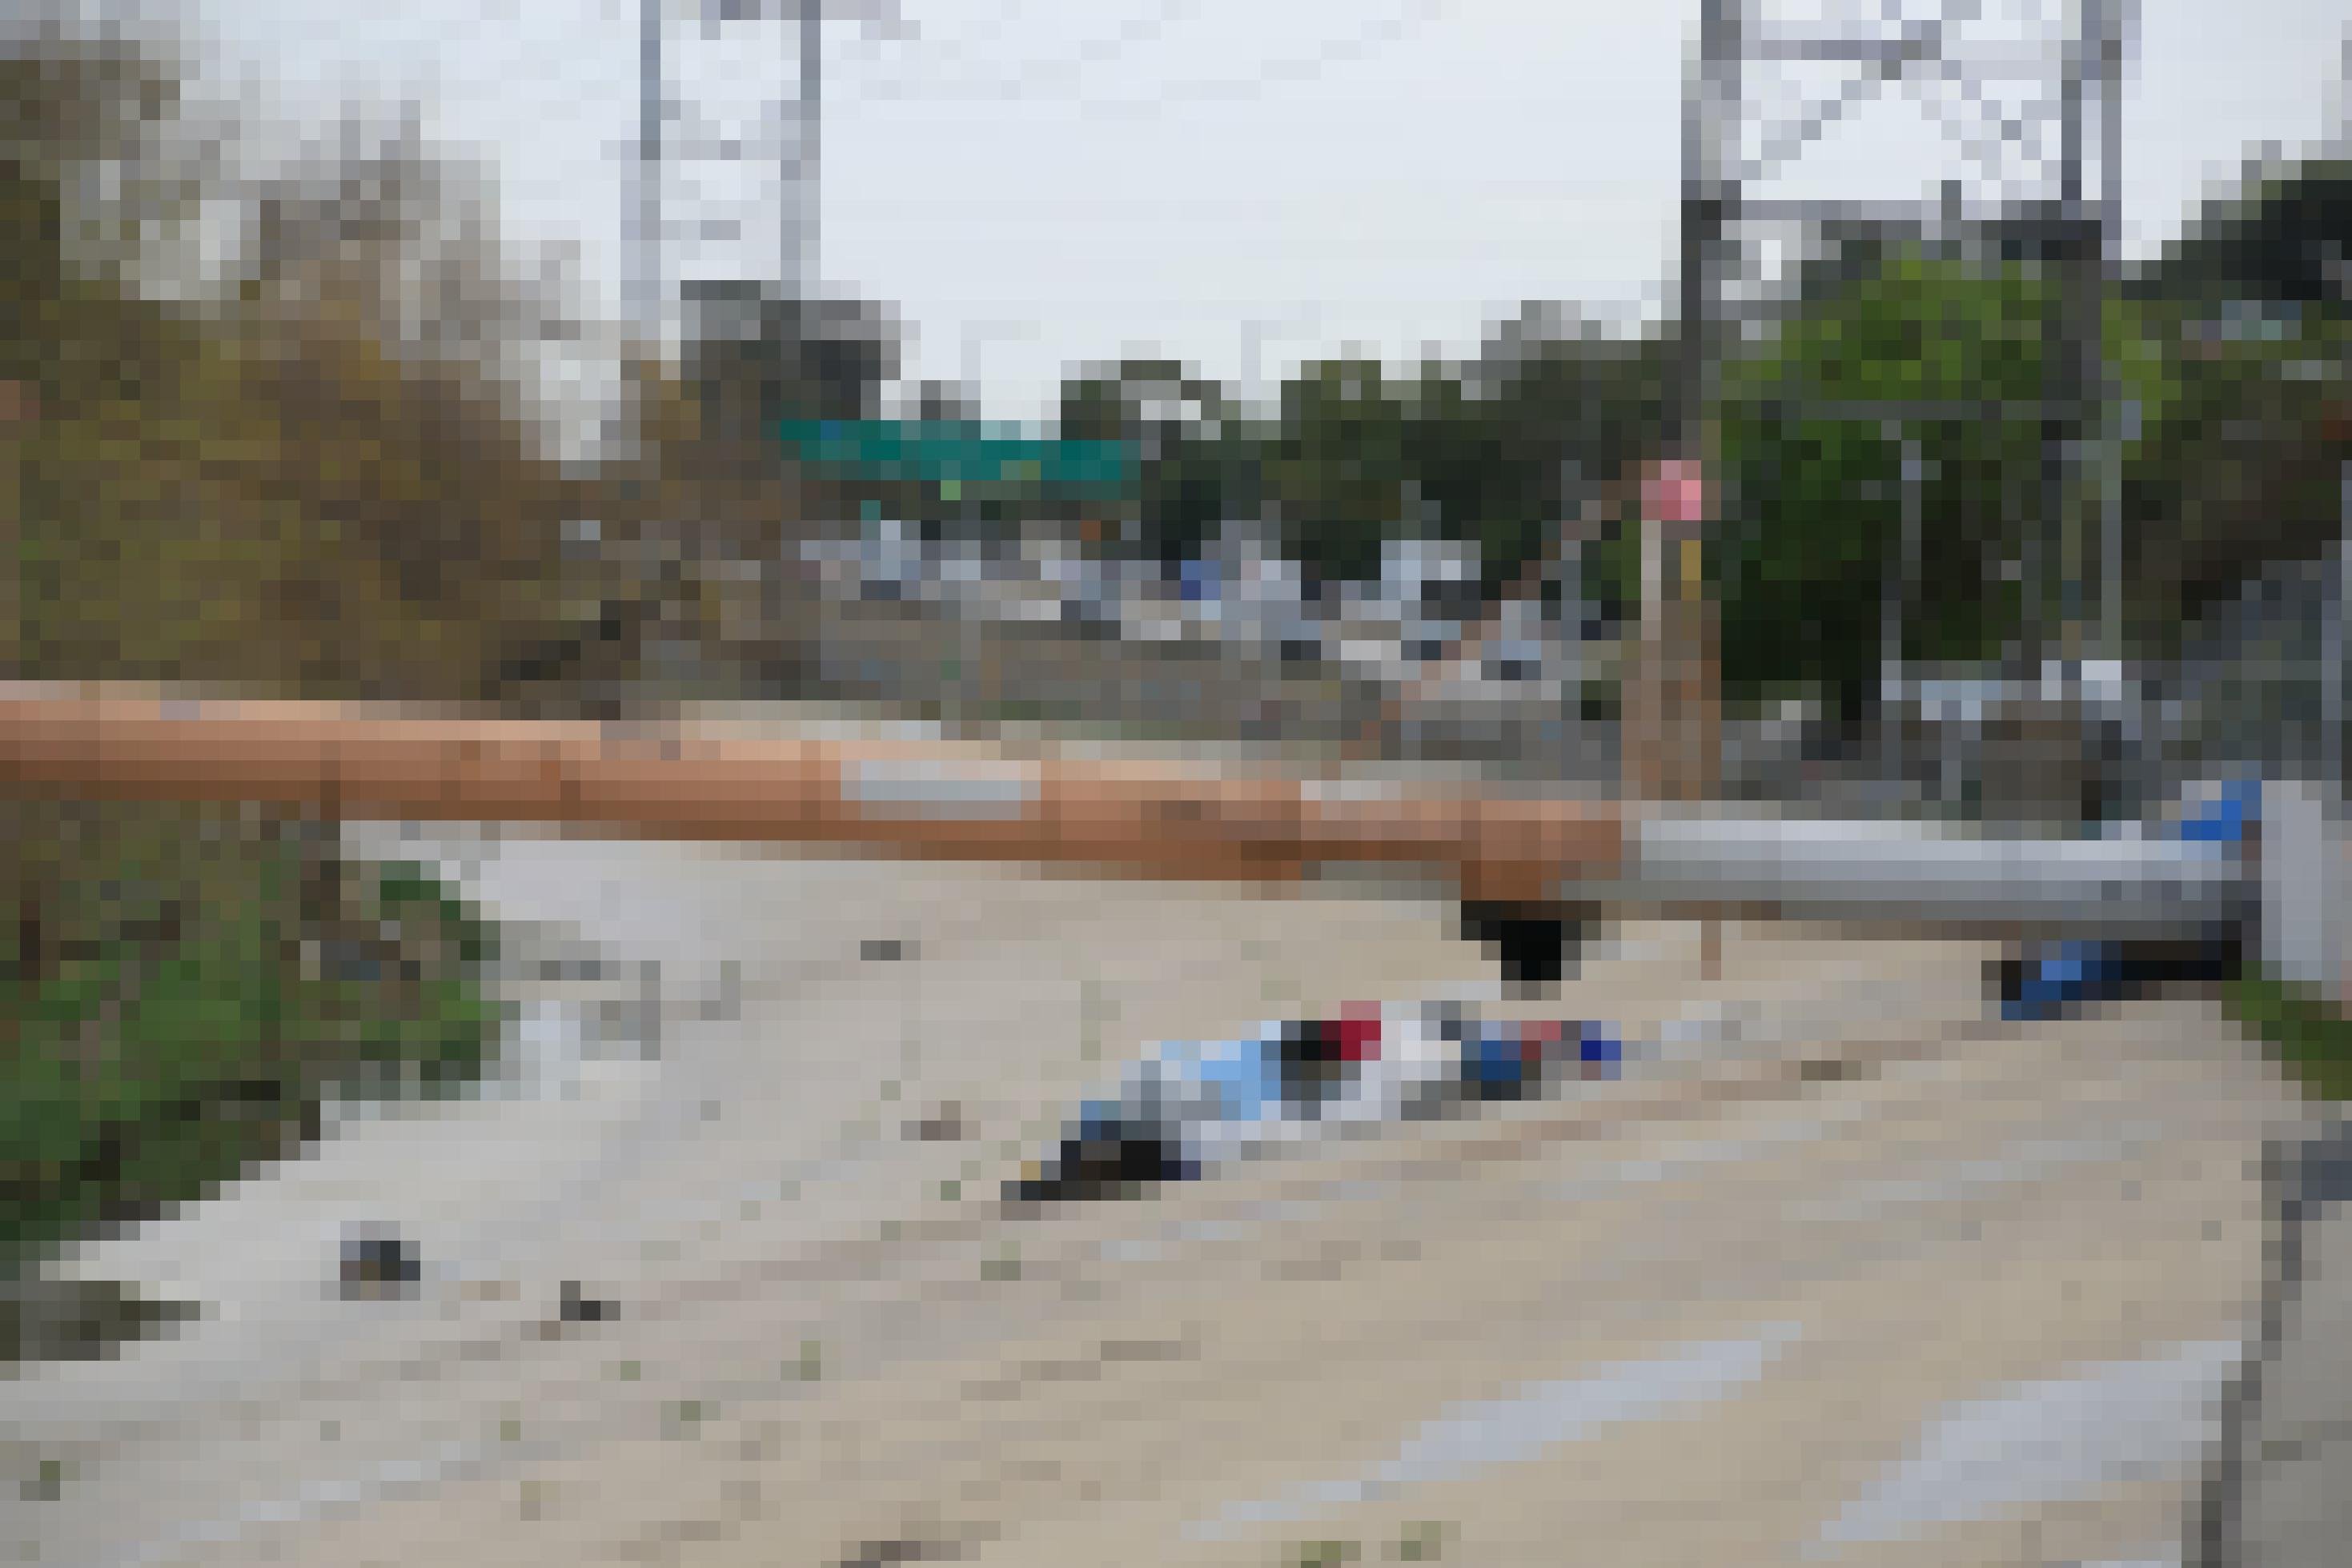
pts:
[1536, 943]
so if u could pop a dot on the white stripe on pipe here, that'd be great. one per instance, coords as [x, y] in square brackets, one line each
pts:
[934, 792]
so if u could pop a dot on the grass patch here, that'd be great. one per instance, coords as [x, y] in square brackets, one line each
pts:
[187, 989]
[1321, 1553]
[1423, 1541]
[2310, 1039]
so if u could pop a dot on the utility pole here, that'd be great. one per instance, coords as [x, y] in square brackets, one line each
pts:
[2085, 420]
[1902, 585]
[2116, 19]
[803, 254]
[1671, 724]
[647, 289]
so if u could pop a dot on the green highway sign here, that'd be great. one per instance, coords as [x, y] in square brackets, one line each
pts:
[962, 452]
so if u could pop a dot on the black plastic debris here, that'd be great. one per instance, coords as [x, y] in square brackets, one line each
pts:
[378, 1261]
[1105, 1157]
[1536, 944]
[578, 1307]
[2055, 979]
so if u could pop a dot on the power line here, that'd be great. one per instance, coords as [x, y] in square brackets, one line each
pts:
[952, 50]
[1287, 70]
[1061, 72]
[1032, 81]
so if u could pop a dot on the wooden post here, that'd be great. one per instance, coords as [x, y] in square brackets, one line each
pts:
[1673, 724]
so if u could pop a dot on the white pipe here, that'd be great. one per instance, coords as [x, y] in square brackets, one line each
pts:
[1907, 873]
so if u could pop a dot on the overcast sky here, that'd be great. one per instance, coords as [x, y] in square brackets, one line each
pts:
[1039, 183]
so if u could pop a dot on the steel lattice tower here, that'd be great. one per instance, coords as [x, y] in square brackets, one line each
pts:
[701, 213]
[2024, 157]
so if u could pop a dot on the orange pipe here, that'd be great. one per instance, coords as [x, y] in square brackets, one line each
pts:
[935, 802]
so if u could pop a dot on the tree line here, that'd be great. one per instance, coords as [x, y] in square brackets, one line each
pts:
[2230, 353]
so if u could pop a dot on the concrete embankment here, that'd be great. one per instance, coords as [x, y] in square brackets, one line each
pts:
[1859, 1274]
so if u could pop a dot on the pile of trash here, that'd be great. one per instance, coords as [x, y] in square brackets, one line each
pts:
[1193, 1105]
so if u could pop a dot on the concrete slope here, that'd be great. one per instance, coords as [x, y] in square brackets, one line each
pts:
[1850, 1274]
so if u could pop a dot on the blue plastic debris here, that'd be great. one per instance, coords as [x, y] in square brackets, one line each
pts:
[2057, 976]
[2235, 807]
[1498, 1061]
[1596, 1047]
[2065, 975]
[1242, 1078]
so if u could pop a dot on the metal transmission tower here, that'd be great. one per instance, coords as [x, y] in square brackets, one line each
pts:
[697, 199]
[2038, 90]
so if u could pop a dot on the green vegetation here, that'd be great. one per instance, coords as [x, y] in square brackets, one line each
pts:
[2230, 349]
[1423, 1541]
[2310, 1037]
[1321, 1553]
[254, 492]
[1354, 454]
[282, 480]
[1811, 545]
[185, 1012]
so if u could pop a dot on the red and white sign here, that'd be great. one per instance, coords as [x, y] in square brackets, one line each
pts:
[1675, 492]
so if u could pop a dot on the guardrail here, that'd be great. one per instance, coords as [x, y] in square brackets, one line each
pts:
[965, 803]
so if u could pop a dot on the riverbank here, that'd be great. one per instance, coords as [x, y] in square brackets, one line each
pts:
[188, 991]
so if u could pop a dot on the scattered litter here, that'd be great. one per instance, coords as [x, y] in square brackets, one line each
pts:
[577, 1307]
[379, 1262]
[886, 1553]
[946, 1125]
[1193, 1106]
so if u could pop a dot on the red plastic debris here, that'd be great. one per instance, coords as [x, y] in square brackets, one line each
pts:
[1359, 1032]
